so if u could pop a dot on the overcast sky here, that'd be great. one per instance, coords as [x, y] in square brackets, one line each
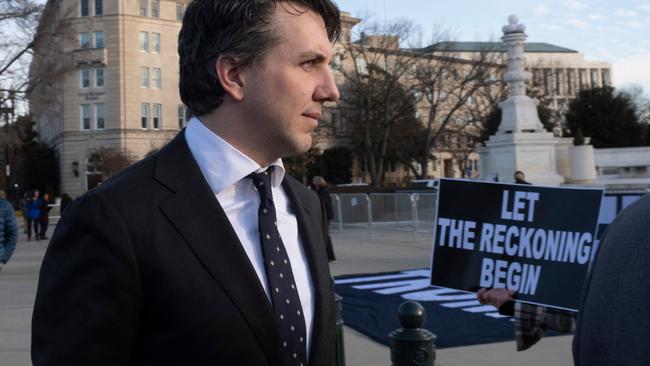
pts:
[615, 31]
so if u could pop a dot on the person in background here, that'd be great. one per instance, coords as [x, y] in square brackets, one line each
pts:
[65, 201]
[320, 186]
[8, 230]
[44, 216]
[23, 208]
[33, 206]
[520, 178]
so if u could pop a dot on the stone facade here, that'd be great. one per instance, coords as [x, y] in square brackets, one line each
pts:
[101, 95]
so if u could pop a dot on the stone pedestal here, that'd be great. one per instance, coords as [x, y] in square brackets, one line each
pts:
[583, 165]
[532, 153]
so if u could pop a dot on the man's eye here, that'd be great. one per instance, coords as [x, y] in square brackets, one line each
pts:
[308, 63]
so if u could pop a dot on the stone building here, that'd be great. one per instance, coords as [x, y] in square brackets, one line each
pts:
[105, 74]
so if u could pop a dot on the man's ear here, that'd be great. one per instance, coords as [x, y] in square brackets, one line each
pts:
[229, 74]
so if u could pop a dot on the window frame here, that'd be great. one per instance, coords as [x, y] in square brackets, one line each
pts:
[143, 8]
[144, 116]
[100, 70]
[143, 40]
[156, 78]
[81, 8]
[99, 4]
[95, 43]
[182, 116]
[155, 9]
[84, 45]
[156, 116]
[83, 108]
[155, 42]
[144, 77]
[97, 116]
[84, 78]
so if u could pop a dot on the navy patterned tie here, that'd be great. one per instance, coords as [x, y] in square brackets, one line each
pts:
[284, 293]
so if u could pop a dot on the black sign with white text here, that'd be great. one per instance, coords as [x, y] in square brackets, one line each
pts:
[537, 241]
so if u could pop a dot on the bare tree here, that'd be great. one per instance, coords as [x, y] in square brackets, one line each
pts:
[30, 32]
[375, 89]
[456, 94]
[113, 161]
[18, 21]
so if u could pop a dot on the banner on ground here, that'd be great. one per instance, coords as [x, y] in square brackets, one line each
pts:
[537, 241]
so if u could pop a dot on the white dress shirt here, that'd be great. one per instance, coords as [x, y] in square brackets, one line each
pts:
[225, 168]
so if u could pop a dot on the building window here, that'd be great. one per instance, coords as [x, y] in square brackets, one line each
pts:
[157, 116]
[182, 120]
[99, 116]
[180, 10]
[144, 115]
[144, 41]
[143, 8]
[99, 39]
[99, 77]
[84, 39]
[144, 77]
[99, 7]
[85, 77]
[85, 116]
[155, 8]
[155, 82]
[155, 42]
[84, 8]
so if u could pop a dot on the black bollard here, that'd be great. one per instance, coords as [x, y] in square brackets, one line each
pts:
[410, 344]
[340, 346]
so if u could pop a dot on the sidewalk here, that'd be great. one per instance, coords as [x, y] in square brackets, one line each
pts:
[357, 252]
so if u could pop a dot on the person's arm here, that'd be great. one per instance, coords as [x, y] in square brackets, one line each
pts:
[88, 303]
[10, 234]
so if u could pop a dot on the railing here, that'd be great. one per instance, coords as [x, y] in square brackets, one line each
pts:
[412, 212]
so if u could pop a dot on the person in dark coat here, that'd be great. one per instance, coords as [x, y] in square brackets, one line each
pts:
[613, 316]
[33, 206]
[65, 201]
[320, 186]
[8, 230]
[44, 216]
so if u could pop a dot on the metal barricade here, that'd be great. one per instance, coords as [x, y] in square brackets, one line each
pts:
[392, 211]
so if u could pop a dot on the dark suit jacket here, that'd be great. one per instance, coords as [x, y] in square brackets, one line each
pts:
[147, 270]
[613, 326]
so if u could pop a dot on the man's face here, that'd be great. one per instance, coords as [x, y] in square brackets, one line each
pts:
[284, 94]
[519, 176]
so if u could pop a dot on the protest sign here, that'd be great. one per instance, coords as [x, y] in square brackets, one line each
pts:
[537, 241]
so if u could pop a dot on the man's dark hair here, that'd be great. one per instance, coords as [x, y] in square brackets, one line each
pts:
[241, 29]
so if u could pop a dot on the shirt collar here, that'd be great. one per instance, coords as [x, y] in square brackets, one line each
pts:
[221, 163]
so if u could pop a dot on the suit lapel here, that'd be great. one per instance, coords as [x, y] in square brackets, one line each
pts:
[197, 215]
[308, 225]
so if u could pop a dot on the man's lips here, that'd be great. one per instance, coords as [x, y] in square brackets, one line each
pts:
[315, 115]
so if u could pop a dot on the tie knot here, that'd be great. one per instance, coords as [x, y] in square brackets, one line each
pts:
[262, 181]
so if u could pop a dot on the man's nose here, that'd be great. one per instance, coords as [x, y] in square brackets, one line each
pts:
[327, 89]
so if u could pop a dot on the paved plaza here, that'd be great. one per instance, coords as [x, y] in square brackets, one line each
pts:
[358, 251]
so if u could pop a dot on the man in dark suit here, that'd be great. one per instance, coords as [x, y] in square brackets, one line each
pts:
[614, 318]
[206, 253]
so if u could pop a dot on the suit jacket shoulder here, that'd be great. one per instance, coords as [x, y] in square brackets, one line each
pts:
[613, 319]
